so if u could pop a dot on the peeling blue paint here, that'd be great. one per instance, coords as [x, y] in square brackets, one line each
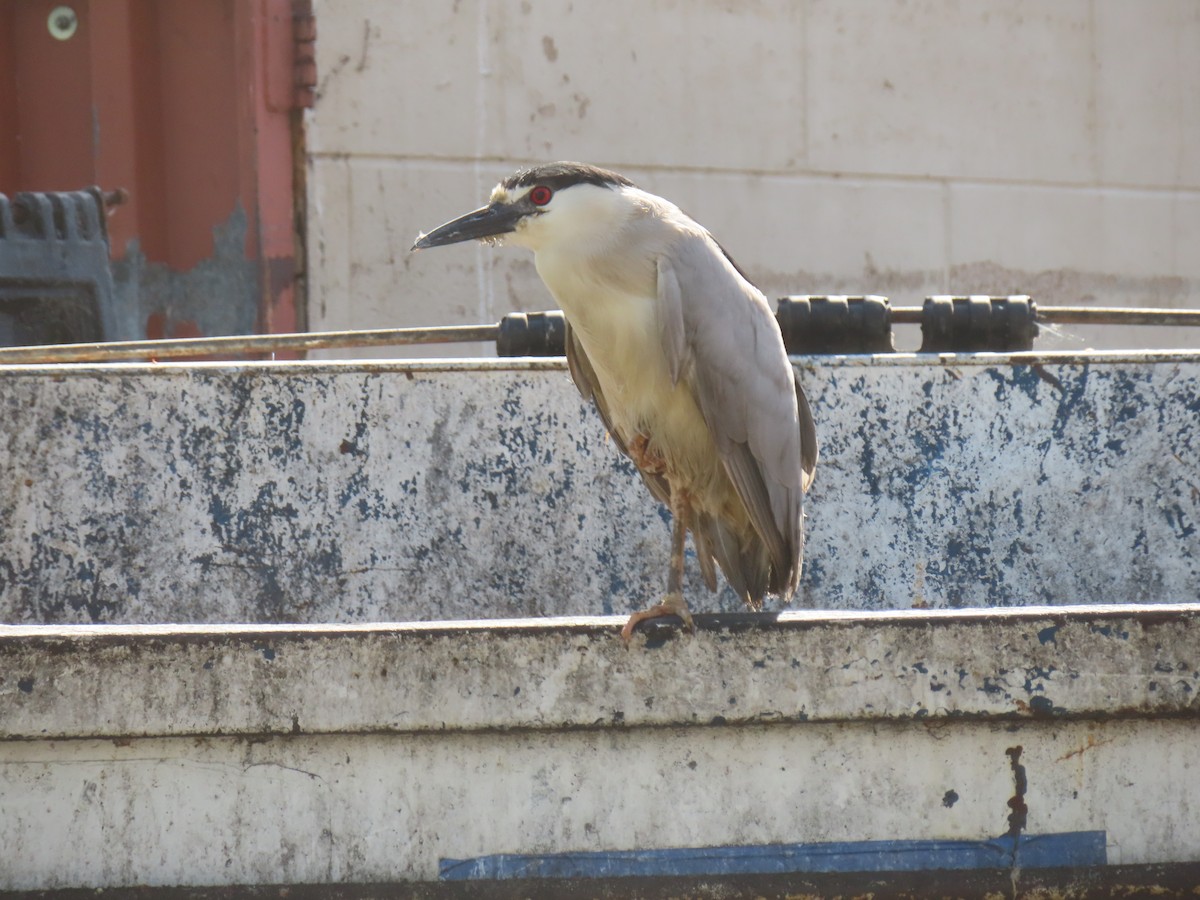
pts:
[1109, 631]
[1177, 518]
[1084, 848]
[1042, 705]
[263, 494]
[1036, 676]
[991, 687]
[268, 653]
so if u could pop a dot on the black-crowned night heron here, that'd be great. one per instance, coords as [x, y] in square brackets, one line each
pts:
[683, 359]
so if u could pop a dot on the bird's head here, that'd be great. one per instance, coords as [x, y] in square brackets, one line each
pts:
[543, 205]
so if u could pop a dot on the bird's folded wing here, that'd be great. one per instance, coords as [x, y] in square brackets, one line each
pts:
[732, 357]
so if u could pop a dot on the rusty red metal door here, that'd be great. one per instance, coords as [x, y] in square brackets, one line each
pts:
[191, 110]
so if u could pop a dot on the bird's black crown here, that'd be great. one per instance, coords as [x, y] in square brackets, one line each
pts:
[559, 175]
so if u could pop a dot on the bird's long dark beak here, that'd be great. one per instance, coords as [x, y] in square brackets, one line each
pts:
[486, 222]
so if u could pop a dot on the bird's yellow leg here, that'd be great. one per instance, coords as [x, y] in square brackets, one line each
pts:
[673, 604]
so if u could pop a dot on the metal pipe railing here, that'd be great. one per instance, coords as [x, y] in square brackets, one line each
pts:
[1081, 315]
[238, 345]
[261, 345]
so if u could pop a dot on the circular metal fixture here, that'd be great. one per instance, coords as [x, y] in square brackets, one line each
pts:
[62, 23]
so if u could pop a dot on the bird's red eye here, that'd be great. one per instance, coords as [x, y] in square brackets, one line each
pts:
[540, 195]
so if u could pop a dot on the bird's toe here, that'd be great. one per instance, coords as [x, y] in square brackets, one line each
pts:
[672, 605]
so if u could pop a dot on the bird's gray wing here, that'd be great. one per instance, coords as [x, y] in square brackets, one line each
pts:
[731, 355]
[808, 430]
[808, 436]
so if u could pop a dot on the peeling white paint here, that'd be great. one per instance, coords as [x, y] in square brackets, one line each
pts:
[380, 809]
[358, 492]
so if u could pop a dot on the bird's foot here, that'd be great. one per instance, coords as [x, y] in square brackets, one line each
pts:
[672, 605]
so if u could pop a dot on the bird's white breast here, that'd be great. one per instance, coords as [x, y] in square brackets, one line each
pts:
[619, 332]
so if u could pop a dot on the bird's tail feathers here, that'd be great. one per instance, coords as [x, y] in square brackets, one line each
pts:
[701, 534]
[747, 567]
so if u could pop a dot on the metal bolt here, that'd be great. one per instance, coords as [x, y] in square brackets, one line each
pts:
[62, 23]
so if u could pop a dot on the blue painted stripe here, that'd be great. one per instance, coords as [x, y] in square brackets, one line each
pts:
[1077, 848]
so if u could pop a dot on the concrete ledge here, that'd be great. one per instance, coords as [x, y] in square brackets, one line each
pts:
[161, 681]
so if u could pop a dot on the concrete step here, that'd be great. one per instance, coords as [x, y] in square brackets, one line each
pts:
[493, 752]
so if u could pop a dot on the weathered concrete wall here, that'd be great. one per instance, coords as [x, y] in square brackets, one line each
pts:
[259, 755]
[883, 147]
[351, 493]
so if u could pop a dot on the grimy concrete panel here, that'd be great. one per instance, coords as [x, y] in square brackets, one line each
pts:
[1144, 51]
[996, 91]
[382, 809]
[834, 147]
[307, 492]
[562, 80]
